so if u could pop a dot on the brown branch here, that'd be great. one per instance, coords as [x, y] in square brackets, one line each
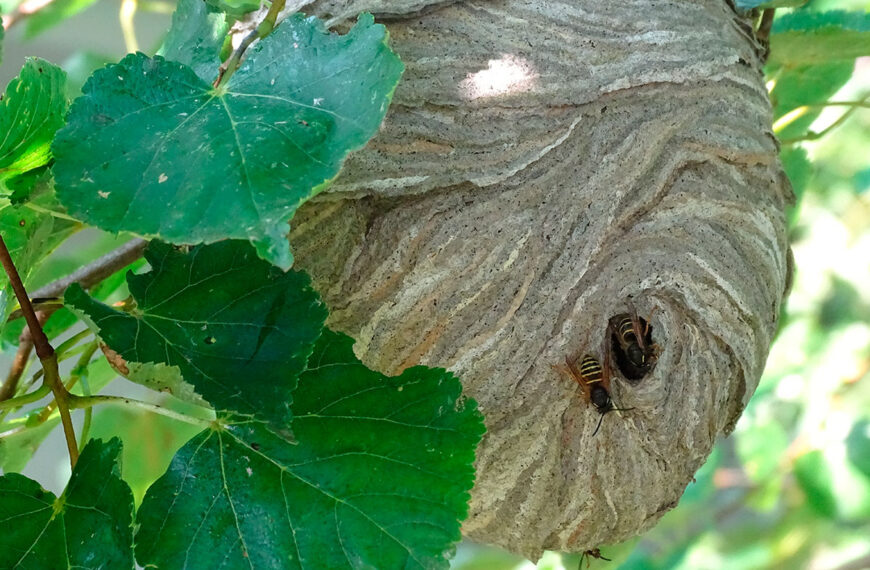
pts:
[95, 271]
[44, 351]
[19, 363]
[87, 276]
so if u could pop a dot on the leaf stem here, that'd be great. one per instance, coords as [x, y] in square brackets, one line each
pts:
[265, 27]
[794, 114]
[64, 347]
[83, 402]
[44, 351]
[81, 372]
[25, 399]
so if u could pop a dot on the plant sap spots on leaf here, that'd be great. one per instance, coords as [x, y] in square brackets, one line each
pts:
[210, 340]
[162, 178]
[103, 194]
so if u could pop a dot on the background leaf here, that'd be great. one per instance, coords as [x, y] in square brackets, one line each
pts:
[765, 4]
[30, 236]
[805, 85]
[195, 37]
[30, 113]
[89, 526]
[150, 440]
[816, 480]
[377, 476]
[52, 14]
[236, 328]
[802, 37]
[233, 162]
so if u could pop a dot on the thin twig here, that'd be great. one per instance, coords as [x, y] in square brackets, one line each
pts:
[265, 27]
[88, 401]
[97, 270]
[811, 136]
[44, 351]
[19, 364]
[87, 276]
[20, 401]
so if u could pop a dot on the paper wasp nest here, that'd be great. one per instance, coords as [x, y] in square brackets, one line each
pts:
[542, 164]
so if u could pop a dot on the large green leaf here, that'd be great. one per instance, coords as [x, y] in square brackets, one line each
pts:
[802, 38]
[30, 113]
[195, 38]
[151, 148]
[235, 327]
[89, 526]
[378, 477]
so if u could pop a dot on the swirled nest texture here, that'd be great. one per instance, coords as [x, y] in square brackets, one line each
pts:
[544, 167]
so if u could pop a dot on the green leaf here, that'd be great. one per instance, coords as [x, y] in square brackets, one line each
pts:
[235, 8]
[378, 477]
[89, 526]
[195, 38]
[79, 67]
[150, 440]
[30, 113]
[802, 37]
[765, 4]
[805, 85]
[229, 162]
[815, 478]
[799, 169]
[30, 236]
[858, 446]
[53, 14]
[17, 448]
[235, 327]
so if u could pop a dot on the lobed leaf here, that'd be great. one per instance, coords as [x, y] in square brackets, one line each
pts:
[89, 526]
[195, 38]
[236, 328]
[803, 38]
[229, 162]
[378, 476]
[30, 113]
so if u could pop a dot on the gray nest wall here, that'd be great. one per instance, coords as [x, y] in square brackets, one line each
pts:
[543, 167]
